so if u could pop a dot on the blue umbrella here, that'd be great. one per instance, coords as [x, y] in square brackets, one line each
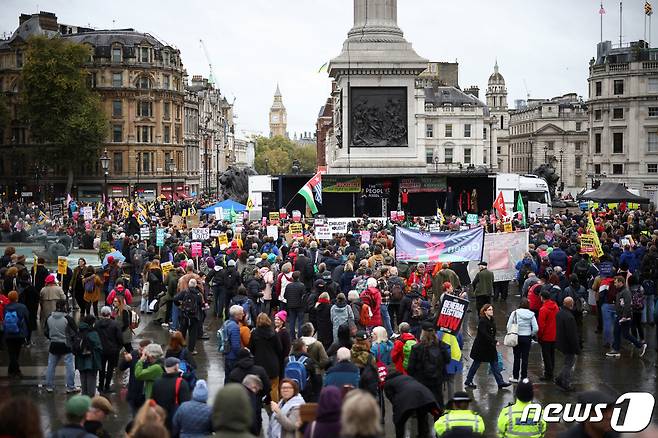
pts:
[117, 256]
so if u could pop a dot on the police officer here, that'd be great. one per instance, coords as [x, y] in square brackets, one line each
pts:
[459, 417]
[509, 420]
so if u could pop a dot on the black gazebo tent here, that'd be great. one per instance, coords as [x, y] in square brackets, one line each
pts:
[613, 192]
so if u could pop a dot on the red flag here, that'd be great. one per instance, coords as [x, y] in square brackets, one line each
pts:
[499, 205]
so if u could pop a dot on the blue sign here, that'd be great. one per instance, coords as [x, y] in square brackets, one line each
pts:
[159, 237]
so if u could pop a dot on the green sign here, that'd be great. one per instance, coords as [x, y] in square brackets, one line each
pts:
[424, 184]
[341, 184]
[472, 219]
[159, 237]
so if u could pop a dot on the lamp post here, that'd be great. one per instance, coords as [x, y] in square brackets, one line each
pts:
[561, 152]
[545, 153]
[138, 162]
[531, 141]
[171, 169]
[436, 164]
[296, 166]
[491, 122]
[105, 164]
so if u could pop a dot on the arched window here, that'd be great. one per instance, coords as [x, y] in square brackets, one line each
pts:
[143, 82]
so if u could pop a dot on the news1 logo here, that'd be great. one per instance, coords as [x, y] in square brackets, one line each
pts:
[631, 412]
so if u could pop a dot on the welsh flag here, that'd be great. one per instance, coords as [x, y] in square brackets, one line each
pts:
[312, 192]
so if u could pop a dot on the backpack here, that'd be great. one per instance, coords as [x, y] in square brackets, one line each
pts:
[80, 344]
[12, 323]
[296, 370]
[246, 307]
[224, 339]
[649, 287]
[637, 297]
[396, 291]
[188, 305]
[365, 315]
[406, 350]
[134, 320]
[90, 284]
[188, 372]
[434, 363]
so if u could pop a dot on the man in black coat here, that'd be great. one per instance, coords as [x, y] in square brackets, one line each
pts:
[294, 295]
[190, 304]
[408, 397]
[567, 341]
[111, 338]
[245, 365]
[305, 267]
[135, 394]
[170, 390]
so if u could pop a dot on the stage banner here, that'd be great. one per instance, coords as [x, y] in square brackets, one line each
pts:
[451, 316]
[423, 246]
[502, 251]
[341, 184]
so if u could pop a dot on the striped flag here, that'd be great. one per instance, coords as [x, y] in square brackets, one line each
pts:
[312, 191]
[648, 9]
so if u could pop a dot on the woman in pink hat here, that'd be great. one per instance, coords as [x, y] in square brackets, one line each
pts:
[283, 333]
[49, 296]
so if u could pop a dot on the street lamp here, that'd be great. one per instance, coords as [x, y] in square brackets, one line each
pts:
[171, 169]
[138, 162]
[546, 153]
[561, 152]
[296, 166]
[105, 164]
[531, 141]
[436, 164]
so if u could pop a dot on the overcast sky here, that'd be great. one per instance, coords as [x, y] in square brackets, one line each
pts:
[253, 44]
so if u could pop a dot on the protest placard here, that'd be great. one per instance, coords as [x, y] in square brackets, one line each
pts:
[62, 264]
[323, 233]
[273, 231]
[159, 237]
[144, 233]
[196, 249]
[451, 316]
[200, 233]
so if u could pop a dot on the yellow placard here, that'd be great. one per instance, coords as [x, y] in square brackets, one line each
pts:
[295, 228]
[274, 216]
[222, 239]
[62, 264]
[166, 267]
[507, 227]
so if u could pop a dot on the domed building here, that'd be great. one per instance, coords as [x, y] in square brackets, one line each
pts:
[498, 123]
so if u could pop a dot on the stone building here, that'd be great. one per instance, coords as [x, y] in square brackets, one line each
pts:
[623, 116]
[278, 116]
[551, 131]
[141, 84]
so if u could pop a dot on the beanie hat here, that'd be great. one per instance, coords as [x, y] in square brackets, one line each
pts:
[231, 262]
[78, 405]
[210, 262]
[524, 391]
[282, 315]
[171, 362]
[110, 259]
[50, 279]
[200, 392]
[271, 258]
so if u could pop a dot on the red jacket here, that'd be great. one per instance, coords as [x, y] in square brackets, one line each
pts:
[373, 298]
[547, 326]
[119, 289]
[398, 351]
[425, 282]
[534, 299]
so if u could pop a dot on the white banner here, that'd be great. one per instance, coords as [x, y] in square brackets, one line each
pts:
[88, 213]
[338, 225]
[273, 231]
[200, 233]
[502, 251]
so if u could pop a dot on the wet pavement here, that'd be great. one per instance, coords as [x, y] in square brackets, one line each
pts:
[593, 371]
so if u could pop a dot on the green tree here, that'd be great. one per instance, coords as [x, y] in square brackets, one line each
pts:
[275, 156]
[65, 118]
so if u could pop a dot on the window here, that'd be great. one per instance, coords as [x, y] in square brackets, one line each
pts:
[19, 59]
[91, 80]
[486, 152]
[167, 110]
[484, 133]
[498, 149]
[652, 168]
[144, 109]
[577, 162]
[467, 130]
[617, 169]
[117, 163]
[117, 109]
[429, 130]
[551, 145]
[653, 111]
[147, 163]
[598, 88]
[448, 130]
[618, 87]
[467, 156]
[117, 79]
[618, 113]
[165, 82]
[144, 54]
[143, 82]
[652, 145]
[177, 134]
[144, 134]
[617, 142]
[579, 125]
[448, 152]
[166, 134]
[117, 133]
[577, 145]
[597, 143]
[597, 114]
[652, 85]
[116, 54]
[177, 110]
[597, 169]
[429, 156]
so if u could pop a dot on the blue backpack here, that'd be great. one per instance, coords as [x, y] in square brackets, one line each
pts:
[187, 373]
[296, 370]
[223, 338]
[11, 323]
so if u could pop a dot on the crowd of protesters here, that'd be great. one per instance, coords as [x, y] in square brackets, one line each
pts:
[336, 322]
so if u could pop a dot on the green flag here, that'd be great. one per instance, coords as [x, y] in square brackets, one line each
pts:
[520, 208]
[233, 214]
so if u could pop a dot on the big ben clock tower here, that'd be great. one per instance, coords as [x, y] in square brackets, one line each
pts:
[278, 116]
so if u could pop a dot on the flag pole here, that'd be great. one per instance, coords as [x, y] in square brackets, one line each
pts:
[601, 15]
[620, 23]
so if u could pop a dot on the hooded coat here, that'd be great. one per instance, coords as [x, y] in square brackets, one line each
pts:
[327, 420]
[246, 365]
[232, 412]
[341, 314]
[407, 394]
[266, 347]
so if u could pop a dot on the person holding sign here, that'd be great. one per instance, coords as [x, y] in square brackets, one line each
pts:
[484, 349]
